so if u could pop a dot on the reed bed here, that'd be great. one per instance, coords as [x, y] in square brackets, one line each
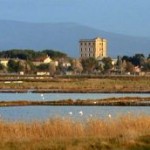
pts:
[83, 85]
[125, 132]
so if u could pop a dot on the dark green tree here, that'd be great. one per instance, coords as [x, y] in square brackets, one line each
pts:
[27, 54]
[146, 66]
[89, 64]
[43, 67]
[55, 54]
[107, 64]
[2, 67]
[138, 60]
[14, 66]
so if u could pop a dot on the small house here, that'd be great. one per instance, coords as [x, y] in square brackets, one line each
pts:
[40, 60]
[4, 61]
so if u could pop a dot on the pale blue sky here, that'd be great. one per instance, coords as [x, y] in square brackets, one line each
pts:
[131, 17]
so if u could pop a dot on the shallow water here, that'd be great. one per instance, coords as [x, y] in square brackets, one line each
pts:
[32, 113]
[29, 113]
[61, 96]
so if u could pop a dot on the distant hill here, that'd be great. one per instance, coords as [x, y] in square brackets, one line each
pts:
[65, 37]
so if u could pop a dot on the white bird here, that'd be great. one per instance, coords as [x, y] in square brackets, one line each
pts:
[95, 102]
[42, 96]
[81, 113]
[91, 115]
[109, 115]
[70, 113]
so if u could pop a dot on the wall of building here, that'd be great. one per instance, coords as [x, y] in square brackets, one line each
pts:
[93, 48]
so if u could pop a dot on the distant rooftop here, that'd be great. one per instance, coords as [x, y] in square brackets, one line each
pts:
[92, 39]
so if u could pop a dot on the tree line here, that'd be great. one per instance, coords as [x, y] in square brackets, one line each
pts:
[27, 54]
[24, 62]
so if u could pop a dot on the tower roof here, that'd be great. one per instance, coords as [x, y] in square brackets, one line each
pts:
[90, 40]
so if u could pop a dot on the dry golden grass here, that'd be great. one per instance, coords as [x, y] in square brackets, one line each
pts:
[93, 84]
[69, 134]
[124, 126]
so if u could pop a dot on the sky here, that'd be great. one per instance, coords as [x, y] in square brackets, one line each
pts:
[130, 17]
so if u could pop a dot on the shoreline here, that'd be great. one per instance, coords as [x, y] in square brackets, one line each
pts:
[123, 101]
[67, 91]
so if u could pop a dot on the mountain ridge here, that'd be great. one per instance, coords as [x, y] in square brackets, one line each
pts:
[65, 37]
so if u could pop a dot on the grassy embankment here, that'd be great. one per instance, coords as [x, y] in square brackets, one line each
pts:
[124, 101]
[78, 84]
[122, 133]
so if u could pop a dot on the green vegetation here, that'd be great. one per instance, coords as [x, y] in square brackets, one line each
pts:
[124, 133]
[107, 64]
[14, 66]
[54, 54]
[24, 60]
[43, 67]
[26, 54]
[89, 64]
[136, 60]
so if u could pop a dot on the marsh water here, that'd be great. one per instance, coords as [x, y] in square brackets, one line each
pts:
[61, 96]
[31, 113]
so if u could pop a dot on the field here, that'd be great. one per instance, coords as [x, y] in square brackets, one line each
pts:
[127, 132]
[76, 84]
[124, 133]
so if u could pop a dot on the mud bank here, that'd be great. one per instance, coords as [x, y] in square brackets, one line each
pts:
[125, 101]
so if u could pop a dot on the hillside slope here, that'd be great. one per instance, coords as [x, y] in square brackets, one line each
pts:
[65, 37]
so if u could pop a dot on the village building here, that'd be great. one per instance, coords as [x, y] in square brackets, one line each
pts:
[40, 60]
[96, 48]
[4, 61]
[41, 73]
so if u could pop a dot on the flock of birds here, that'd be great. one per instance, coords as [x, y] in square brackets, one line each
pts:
[80, 112]
[42, 96]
